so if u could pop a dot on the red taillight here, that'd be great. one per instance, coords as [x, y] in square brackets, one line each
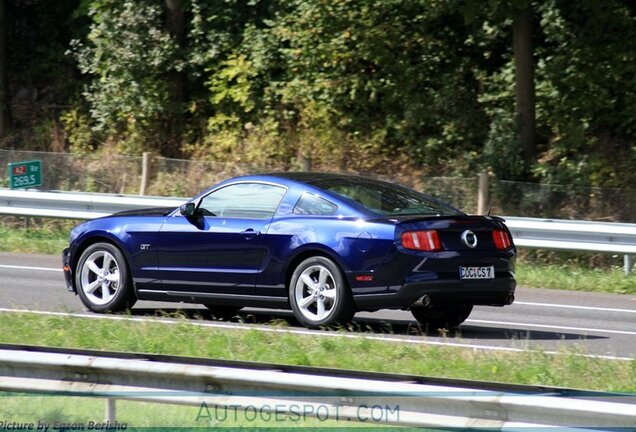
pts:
[421, 240]
[502, 239]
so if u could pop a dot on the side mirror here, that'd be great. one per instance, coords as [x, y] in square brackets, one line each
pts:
[187, 209]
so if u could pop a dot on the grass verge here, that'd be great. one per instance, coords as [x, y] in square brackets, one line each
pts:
[183, 338]
[575, 278]
[51, 238]
[48, 238]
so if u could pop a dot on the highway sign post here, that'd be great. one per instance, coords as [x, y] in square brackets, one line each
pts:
[26, 174]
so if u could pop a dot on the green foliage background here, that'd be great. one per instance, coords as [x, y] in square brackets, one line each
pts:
[385, 86]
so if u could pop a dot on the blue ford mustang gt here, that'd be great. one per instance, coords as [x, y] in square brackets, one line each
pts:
[324, 245]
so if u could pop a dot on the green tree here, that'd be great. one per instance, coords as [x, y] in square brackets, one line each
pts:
[127, 56]
[5, 118]
[524, 80]
[378, 77]
[587, 92]
[526, 88]
[175, 25]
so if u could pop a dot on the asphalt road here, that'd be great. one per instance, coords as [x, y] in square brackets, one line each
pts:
[551, 320]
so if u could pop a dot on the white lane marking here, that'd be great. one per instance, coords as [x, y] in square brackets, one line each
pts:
[582, 329]
[302, 332]
[594, 308]
[30, 268]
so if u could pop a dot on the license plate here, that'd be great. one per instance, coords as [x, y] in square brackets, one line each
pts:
[487, 272]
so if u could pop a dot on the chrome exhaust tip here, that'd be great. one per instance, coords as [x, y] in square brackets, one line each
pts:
[423, 301]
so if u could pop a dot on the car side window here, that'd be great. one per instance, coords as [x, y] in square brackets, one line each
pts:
[310, 204]
[243, 200]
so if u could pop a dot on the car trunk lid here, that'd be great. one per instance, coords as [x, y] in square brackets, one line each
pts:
[455, 233]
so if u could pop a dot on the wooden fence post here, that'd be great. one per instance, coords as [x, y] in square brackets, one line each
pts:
[482, 193]
[145, 173]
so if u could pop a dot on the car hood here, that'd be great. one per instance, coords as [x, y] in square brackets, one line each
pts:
[155, 211]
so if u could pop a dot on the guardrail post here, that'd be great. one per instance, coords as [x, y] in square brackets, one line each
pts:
[145, 163]
[628, 260]
[111, 408]
[482, 193]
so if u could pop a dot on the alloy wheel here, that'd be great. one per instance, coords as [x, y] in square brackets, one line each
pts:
[316, 293]
[100, 277]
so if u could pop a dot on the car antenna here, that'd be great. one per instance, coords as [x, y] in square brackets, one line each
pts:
[488, 212]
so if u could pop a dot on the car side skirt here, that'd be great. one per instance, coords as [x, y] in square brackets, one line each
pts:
[215, 298]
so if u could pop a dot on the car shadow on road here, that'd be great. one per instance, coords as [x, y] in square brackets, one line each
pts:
[366, 325]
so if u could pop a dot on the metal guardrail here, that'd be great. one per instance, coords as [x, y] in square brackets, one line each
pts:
[573, 235]
[376, 399]
[556, 234]
[75, 205]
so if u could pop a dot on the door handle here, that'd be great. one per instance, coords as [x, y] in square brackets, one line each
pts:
[250, 233]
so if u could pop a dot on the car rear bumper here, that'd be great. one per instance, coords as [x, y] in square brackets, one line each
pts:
[494, 292]
[66, 266]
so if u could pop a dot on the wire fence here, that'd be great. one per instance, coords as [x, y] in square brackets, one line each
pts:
[564, 202]
[179, 177]
[88, 173]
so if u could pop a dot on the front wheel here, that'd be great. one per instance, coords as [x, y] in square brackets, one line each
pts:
[102, 279]
[318, 293]
[433, 318]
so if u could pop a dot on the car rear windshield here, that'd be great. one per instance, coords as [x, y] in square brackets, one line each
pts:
[385, 198]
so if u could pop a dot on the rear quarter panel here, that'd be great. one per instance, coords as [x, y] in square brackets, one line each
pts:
[357, 246]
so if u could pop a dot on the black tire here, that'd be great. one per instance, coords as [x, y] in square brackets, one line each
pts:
[104, 289]
[433, 318]
[333, 294]
[220, 311]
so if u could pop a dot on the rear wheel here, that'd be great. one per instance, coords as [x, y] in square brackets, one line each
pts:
[102, 279]
[433, 318]
[318, 293]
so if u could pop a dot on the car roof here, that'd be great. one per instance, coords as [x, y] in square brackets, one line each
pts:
[299, 177]
[311, 182]
[315, 179]
[312, 177]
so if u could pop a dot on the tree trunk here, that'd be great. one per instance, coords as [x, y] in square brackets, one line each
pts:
[524, 82]
[175, 24]
[5, 118]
